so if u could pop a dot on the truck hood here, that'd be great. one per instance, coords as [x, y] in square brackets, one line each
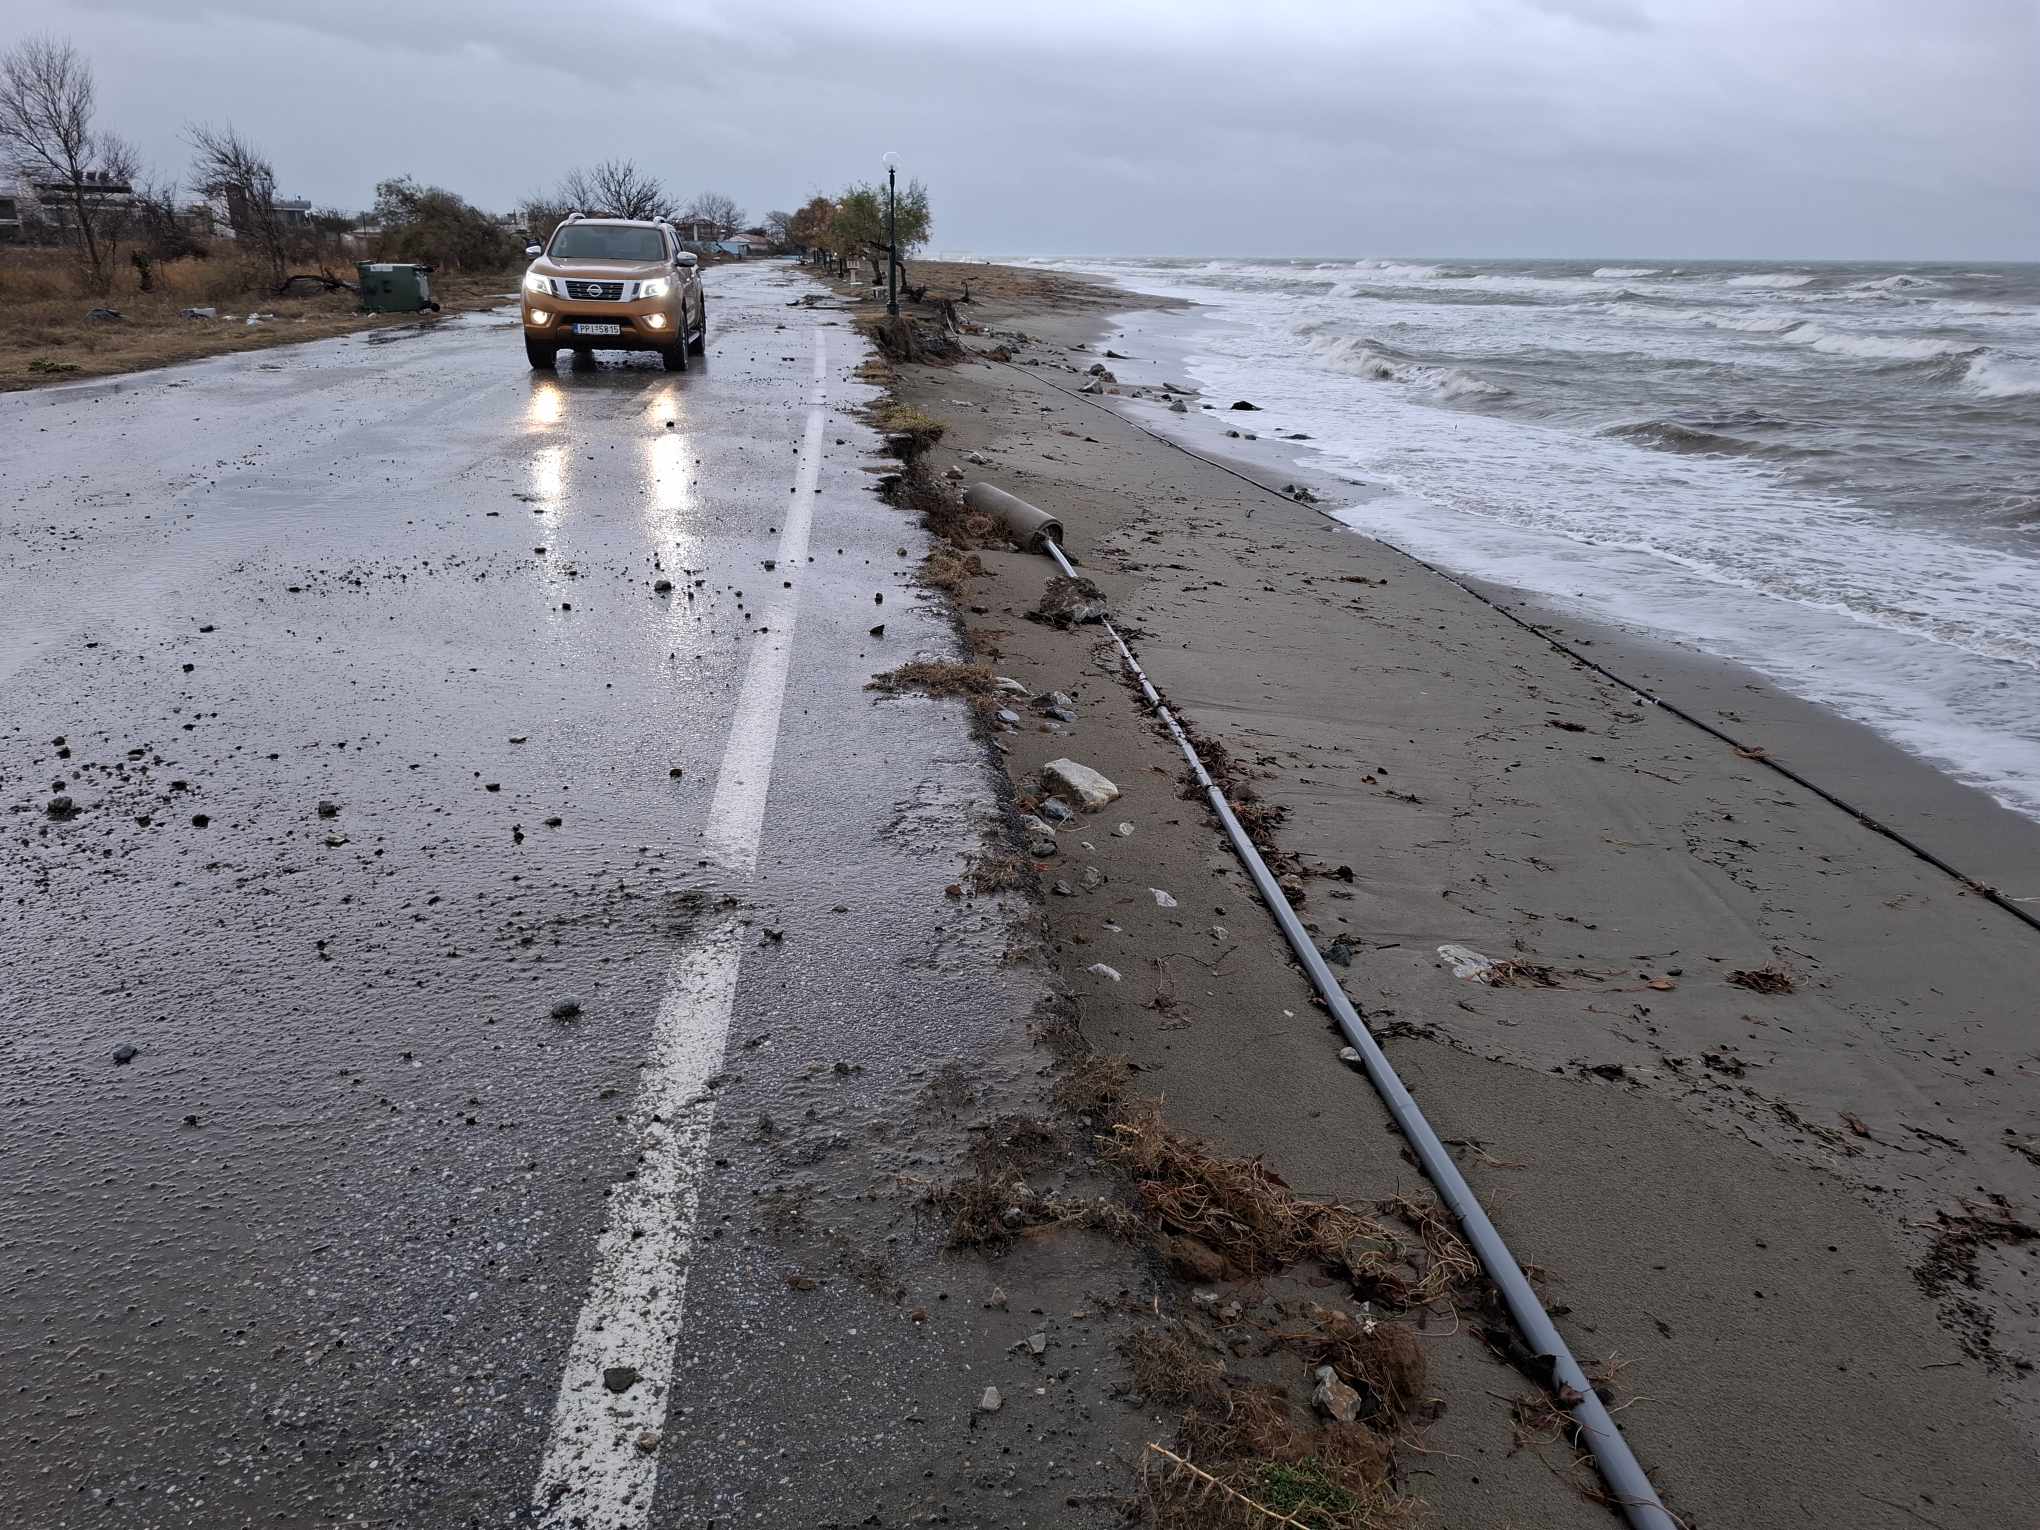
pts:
[601, 270]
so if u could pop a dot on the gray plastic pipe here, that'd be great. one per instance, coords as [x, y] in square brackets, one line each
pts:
[1628, 1485]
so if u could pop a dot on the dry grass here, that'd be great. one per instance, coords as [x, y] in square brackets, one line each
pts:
[1004, 289]
[941, 508]
[1092, 1083]
[934, 677]
[1384, 1360]
[912, 430]
[993, 1206]
[1014, 286]
[1773, 979]
[1450, 1265]
[1178, 1494]
[42, 315]
[1175, 1365]
[1238, 1209]
[950, 571]
[1259, 818]
[1242, 1209]
[1248, 1453]
[997, 871]
[1513, 973]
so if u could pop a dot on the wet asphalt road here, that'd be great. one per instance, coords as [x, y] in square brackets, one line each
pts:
[382, 744]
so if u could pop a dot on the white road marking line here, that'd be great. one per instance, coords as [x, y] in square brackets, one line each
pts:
[601, 1466]
[601, 1459]
[736, 815]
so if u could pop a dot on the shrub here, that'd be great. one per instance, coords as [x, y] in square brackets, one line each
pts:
[436, 227]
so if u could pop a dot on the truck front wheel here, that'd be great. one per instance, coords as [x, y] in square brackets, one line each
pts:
[541, 357]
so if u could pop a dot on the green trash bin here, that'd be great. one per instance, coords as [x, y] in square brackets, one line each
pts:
[394, 287]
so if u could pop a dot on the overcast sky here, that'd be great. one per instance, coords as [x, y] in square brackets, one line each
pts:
[1786, 128]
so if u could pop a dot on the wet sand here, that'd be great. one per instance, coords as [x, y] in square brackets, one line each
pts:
[1798, 1224]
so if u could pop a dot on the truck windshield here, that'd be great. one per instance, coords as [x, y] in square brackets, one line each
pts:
[607, 241]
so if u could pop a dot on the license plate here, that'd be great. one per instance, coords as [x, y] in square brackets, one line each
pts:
[598, 329]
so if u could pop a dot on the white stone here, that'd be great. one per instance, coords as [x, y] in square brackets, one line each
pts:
[1090, 789]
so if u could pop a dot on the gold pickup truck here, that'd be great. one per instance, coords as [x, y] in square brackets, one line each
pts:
[614, 284]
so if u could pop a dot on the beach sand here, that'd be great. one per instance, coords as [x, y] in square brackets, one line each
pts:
[1797, 1226]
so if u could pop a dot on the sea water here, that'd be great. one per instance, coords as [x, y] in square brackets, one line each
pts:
[1828, 472]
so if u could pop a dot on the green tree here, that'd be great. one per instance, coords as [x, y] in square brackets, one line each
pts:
[435, 226]
[858, 230]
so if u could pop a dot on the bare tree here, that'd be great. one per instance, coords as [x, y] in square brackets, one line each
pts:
[543, 212]
[780, 226]
[160, 228]
[718, 214]
[616, 188]
[229, 167]
[47, 99]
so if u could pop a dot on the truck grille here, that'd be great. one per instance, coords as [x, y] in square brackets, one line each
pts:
[608, 292]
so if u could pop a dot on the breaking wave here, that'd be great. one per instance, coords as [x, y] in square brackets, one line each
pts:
[1772, 279]
[1790, 329]
[1876, 347]
[1670, 436]
[1995, 376]
[1383, 363]
[1616, 273]
[1398, 270]
[1758, 324]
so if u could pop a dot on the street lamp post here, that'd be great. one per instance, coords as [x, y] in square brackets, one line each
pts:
[892, 234]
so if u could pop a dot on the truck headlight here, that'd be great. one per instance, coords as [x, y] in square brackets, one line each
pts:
[657, 287]
[534, 282]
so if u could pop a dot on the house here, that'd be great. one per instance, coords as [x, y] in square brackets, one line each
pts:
[10, 218]
[225, 214]
[739, 245]
[51, 201]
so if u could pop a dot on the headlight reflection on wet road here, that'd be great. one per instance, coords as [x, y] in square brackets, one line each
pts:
[549, 474]
[548, 402]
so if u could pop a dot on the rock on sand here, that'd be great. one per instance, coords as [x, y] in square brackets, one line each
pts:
[1091, 790]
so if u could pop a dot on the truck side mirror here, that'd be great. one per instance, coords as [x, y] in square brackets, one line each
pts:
[534, 249]
[687, 258]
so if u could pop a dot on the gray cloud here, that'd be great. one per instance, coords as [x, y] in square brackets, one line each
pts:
[1645, 127]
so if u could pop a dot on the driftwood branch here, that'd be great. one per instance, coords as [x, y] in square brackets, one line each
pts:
[326, 280]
